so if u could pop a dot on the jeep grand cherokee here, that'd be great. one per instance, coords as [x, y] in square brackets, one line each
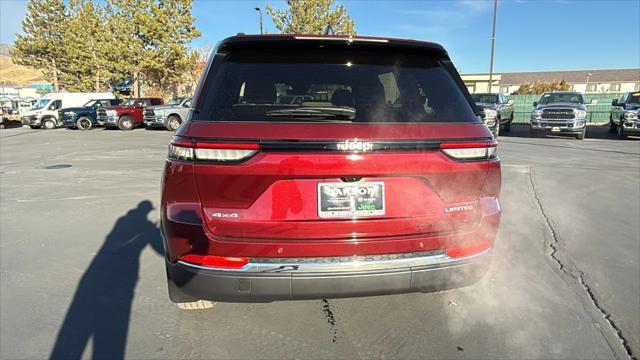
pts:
[383, 180]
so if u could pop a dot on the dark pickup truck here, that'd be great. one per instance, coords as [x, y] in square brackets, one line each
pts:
[498, 111]
[128, 115]
[625, 115]
[85, 117]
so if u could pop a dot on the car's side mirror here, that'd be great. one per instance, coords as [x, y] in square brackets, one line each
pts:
[510, 102]
[535, 103]
[614, 102]
[139, 105]
[593, 102]
[187, 104]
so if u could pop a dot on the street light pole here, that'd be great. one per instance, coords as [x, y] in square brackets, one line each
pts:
[586, 88]
[259, 11]
[493, 42]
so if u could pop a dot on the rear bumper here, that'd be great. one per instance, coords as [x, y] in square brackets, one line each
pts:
[270, 282]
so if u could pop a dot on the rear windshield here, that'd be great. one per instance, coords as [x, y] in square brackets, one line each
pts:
[332, 85]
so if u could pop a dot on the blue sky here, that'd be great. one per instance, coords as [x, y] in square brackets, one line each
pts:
[531, 34]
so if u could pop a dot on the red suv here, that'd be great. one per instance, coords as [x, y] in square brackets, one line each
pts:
[384, 179]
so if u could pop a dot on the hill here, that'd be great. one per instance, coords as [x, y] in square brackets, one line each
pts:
[11, 73]
[4, 49]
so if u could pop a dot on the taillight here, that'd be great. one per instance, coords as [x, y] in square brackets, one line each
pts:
[215, 261]
[207, 151]
[225, 151]
[469, 150]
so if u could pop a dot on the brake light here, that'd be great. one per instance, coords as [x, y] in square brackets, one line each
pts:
[470, 150]
[215, 261]
[206, 151]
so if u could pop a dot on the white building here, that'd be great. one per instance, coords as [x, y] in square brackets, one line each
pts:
[584, 81]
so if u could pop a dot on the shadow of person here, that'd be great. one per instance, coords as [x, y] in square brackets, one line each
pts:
[101, 306]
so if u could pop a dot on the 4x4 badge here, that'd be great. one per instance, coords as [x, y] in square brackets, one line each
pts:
[225, 215]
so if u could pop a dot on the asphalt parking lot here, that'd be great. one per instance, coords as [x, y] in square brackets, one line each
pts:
[82, 273]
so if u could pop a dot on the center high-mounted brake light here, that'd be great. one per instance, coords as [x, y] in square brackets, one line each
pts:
[206, 151]
[469, 150]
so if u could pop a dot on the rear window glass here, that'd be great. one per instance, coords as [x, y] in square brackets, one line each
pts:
[331, 84]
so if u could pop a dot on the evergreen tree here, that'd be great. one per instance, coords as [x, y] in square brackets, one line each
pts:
[173, 59]
[42, 45]
[312, 17]
[86, 46]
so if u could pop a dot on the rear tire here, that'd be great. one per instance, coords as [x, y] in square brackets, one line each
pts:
[173, 122]
[507, 126]
[125, 123]
[48, 124]
[84, 123]
[612, 126]
[621, 134]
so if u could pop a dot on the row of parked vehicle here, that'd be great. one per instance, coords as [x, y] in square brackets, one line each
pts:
[560, 113]
[86, 110]
[555, 113]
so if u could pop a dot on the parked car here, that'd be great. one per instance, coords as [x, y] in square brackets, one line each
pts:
[559, 112]
[498, 111]
[127, 115]
[169, 115]
[625, 114]
[365, 193]
[85, 117]
[45, 112]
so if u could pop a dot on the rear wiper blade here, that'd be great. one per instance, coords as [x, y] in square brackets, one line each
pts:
[315, 113]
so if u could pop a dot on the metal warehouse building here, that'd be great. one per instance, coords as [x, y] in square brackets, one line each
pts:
[585, 81]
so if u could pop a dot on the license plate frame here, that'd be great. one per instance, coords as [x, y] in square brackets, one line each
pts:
[346, 204]
[555, 129]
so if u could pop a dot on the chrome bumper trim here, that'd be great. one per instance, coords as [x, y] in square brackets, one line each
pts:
[437, 259]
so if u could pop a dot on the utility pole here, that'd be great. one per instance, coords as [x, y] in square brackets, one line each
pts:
[586, 88]
[493, 42]
[260, 12]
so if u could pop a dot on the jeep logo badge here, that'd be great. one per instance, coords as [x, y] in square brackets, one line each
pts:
[355, 145]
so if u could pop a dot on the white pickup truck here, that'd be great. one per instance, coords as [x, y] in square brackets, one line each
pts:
[45, 112]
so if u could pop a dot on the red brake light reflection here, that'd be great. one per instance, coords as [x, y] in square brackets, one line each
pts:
[215, 261]
[464, 251]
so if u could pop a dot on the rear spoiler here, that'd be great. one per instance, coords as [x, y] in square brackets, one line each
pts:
[330, 40]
